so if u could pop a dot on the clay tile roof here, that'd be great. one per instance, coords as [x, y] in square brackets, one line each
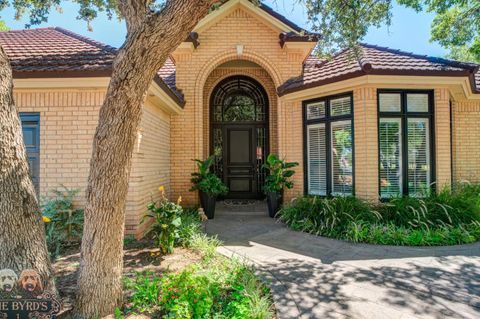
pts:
[55, 49]
[375, 60]
[53, 52]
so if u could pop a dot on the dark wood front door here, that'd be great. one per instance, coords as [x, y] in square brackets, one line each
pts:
[239, 135]
[240, 161]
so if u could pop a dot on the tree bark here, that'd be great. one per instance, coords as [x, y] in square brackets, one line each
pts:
[148, 44]
[22, 235]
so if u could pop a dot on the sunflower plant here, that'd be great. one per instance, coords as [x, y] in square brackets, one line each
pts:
[166, 216]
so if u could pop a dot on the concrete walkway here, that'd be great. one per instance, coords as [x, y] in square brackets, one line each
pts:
[316, 277]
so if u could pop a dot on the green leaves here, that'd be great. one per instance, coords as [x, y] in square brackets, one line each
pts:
[456, 25]
[206, 181]
[279, 173]
[342, 24]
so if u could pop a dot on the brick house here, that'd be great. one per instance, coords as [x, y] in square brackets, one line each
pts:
[242, 85]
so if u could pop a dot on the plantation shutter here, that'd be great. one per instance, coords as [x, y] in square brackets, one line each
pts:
[316, 110]
[342, 157]
[317, 159]
[340, 106]
[418, 156]
[390, 157]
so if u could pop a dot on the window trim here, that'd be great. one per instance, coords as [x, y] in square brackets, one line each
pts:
[32, 117]
[327, 119]
[404, 115]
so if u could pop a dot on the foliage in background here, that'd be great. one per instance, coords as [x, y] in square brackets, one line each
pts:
[447, 218]
[204, 180]
[456, 23]
[63, 222]
[279, 173]
[167, 220]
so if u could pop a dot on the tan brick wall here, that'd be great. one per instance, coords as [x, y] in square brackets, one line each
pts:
[466, 141]
[218, 44]
[365, 127]
[442, 139]
[68, 118]
[150, 166]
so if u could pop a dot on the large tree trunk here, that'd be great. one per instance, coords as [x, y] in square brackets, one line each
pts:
[22, 232]
[151, 38]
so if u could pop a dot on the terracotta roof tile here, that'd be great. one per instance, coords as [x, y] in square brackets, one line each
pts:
[374, 60]
[39, 51]
[55, 49]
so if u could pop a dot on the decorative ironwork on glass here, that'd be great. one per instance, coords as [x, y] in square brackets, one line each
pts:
[239, 99]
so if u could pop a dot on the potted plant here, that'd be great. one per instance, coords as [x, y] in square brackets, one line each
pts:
[208, 185]
[277, 180]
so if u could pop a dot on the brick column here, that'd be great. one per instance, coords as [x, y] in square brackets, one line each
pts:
[366, 143]
[442, 139]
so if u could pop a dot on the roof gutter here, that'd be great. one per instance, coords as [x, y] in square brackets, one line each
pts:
[368, 70]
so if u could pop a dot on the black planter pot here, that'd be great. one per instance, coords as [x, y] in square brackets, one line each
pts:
[208, 204]
[274, 202]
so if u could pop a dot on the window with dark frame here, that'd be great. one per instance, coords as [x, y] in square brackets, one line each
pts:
[329, 154]
[406, 142]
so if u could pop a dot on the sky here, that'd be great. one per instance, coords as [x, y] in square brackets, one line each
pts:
[410, 31]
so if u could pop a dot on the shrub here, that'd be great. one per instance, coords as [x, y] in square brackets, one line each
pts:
[220, 288]
[191, 226]
[166, 222]
[446, 218]
[145, 291]
[63, 222]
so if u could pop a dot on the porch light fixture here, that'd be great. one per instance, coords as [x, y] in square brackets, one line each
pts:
[240, 50]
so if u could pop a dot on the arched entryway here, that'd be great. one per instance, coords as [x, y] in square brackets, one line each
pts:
[239, 134]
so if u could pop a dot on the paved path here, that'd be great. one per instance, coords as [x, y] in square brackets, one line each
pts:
[316, 277]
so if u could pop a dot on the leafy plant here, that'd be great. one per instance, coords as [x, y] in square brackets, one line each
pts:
[145, 288]
[279, 173]
[190, 227]
[166, 222]
[205, 180]
[63, 222]
[447, 218]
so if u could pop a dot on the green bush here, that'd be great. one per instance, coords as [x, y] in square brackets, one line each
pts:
[63, 222]
[223, 289]
[446, 218]
[167, 220]
[191, 226]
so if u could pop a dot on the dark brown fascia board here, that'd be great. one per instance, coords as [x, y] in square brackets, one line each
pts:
[281, 90]
[179, 100]
[99, 73]
[289, 37]
[61, 74]
[280, 17]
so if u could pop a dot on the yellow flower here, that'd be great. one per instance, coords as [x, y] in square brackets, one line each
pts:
[46, 219]
[161, 188]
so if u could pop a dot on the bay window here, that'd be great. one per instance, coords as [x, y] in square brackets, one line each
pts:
[405, 129]
[329, 146]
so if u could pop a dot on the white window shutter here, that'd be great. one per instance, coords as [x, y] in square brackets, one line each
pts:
[390, 157]
[418, 156]
[317, 159]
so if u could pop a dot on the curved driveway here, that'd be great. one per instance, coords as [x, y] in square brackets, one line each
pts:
[317, 277]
